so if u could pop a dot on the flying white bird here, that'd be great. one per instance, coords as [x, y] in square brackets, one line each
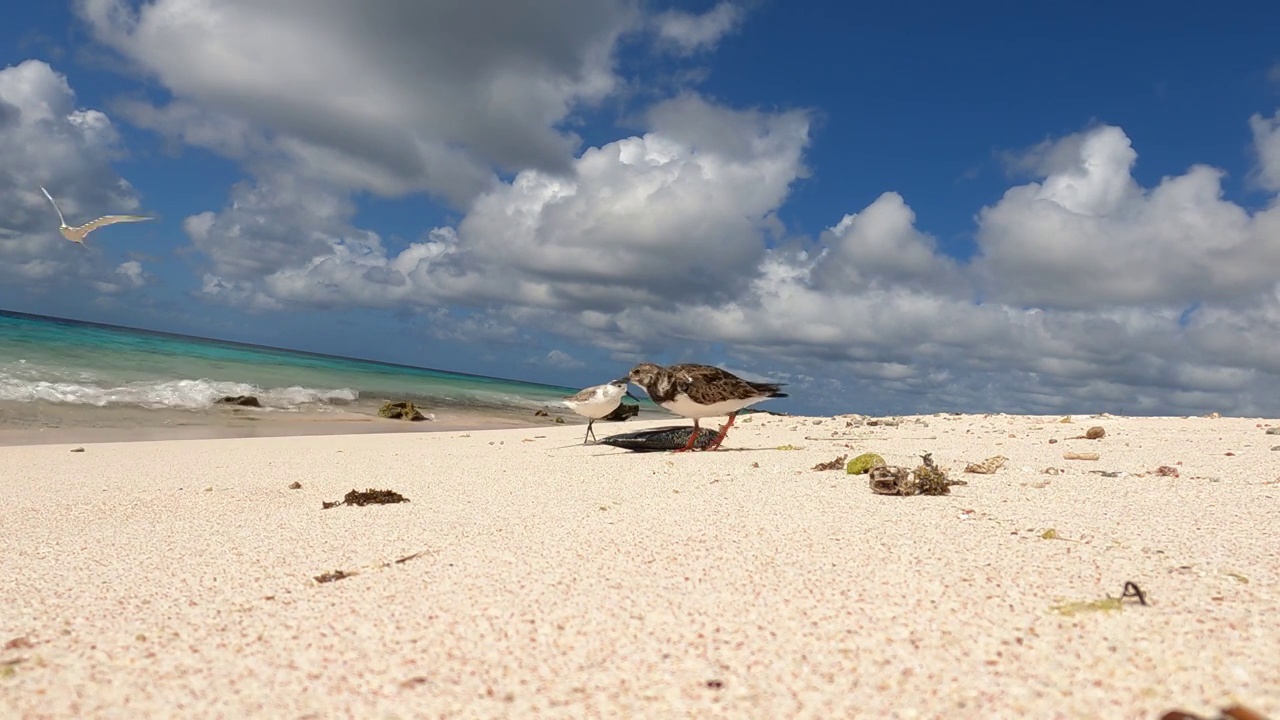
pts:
[77, 234]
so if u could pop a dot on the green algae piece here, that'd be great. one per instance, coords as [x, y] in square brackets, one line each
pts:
[1050, 534]
[863, 464]
[1107, 604]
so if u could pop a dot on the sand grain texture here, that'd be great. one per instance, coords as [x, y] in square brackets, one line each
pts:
[174, 579]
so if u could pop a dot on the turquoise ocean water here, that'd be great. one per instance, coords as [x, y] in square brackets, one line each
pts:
[63, 364]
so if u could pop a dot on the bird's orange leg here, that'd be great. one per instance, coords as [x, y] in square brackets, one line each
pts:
[719, 438]
[693, 437]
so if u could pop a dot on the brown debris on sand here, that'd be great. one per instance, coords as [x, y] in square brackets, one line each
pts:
[368, 497]
[926, 479]
[1162, 471]
[988, 466]
[1234, 712]
[19, 643]
[836, 464]
[343, 574]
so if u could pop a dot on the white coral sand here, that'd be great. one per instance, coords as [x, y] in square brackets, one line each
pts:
[175, 579]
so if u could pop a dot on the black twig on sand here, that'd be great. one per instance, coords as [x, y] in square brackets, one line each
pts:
[1131, 590]
[368, 497]
[331, 576]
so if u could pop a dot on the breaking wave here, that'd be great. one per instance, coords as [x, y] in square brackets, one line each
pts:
[157, 394]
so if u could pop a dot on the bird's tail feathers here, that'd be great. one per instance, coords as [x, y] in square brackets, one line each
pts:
[773, 390]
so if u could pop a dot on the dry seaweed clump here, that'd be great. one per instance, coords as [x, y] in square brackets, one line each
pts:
[831, 464]
[988, 466]
[368, 497]
[926, 479]
[331, 576]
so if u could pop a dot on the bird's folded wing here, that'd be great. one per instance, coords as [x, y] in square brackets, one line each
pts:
[111, 220]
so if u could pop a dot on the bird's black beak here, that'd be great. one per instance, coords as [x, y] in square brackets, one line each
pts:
[625, 380]
[633, 397]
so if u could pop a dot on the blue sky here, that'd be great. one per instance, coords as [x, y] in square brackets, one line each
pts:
[613, 181]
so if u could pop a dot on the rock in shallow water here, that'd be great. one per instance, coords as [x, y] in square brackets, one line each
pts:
[400, 411]
[241, 400]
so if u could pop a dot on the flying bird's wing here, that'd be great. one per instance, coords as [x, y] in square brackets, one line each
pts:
[109, 220]
[55, 205]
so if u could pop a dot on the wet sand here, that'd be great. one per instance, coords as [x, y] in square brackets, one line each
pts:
[44, 423]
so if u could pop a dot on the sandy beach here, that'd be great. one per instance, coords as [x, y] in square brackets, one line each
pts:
[531, 576]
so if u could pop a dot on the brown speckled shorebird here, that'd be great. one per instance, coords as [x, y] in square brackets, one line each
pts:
[700, 391]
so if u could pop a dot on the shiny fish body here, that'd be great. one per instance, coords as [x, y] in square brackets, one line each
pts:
[672, 437]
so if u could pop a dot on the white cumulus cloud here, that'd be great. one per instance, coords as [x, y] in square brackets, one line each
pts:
[392, 96]
[1089, 235]
[689, 32]
[1088, 287]
[1266, 142]
[562, 359]
[679, 213]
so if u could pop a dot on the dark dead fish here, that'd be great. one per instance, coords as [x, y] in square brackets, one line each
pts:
[671, 437]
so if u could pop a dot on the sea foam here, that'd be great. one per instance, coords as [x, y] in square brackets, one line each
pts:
[181, 394]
